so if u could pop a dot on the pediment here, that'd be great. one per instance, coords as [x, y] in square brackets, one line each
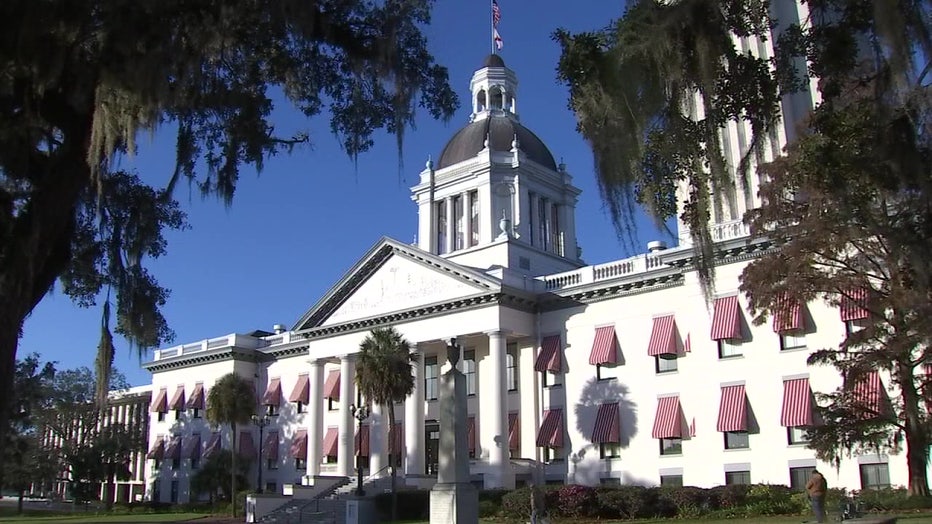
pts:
[394, 277]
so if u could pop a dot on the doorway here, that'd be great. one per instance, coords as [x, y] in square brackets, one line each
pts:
[432, 449]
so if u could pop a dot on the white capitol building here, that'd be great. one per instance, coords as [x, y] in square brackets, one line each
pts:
[611, 373]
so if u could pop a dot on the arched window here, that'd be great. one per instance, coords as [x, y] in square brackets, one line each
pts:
[481, 101]
[496, 98]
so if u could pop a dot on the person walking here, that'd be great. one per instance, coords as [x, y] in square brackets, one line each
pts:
[816, 488]
[538, 511]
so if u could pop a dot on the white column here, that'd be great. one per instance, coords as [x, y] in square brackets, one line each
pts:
[346, 455]
[414, 421]
[315, 418]
[377, 422]
[495, 412]
[467, 219]
[451, 225]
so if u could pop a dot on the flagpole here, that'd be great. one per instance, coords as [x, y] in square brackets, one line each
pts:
[492, 23]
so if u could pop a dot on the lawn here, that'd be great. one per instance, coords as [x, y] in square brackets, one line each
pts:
[93, 517]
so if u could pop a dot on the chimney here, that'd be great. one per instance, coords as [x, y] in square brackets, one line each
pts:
[278, 329]
[656, 245]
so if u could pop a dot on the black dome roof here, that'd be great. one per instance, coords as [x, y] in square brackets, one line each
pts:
[501, 130]
[493, 60]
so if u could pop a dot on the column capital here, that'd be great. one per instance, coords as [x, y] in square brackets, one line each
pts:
[499, 332]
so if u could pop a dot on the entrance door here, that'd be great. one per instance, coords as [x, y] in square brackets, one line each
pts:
[432, 449]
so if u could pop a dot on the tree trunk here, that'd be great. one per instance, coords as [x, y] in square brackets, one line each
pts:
[9, 337]
[108, 486]
[917, 436]
[233, 468]
[391, 459]
[19, 502]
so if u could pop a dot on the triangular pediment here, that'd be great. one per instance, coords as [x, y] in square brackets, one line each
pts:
[394, 277]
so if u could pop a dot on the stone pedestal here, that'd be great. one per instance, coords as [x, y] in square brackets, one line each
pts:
[453, 500]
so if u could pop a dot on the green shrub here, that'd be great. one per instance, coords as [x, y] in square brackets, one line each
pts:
[688, 501]
[771, 499]
[488, 508]
[609, 503]
[729, 497]
[576, 501]
[412, 505]
[516, 505]
[889, 499]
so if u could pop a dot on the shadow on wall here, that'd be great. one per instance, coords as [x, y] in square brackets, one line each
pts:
[588, 466]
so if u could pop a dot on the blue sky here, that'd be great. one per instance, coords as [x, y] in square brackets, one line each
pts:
[297, 227]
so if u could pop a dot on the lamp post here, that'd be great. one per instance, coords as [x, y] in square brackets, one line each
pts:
[361, 413]
[261, 423]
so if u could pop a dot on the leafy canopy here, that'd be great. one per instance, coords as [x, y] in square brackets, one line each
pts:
[384, 372]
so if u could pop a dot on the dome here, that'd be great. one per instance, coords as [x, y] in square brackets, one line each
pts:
[501, 130]
[493, 60]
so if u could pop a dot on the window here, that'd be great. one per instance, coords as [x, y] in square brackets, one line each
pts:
[729, 348]
[299, 407]
[177, 414]
[737, 440]
[800, 476]
[531, 212]
[272, 464]
[174, 493]
[330, 459]
[195, 413]
[473, 218]
[511, 367]
[161, 417]
[271, 410]
[853, 326]
[157, 491]
[542, 223]
[270, 487]
[333, 404]
[665, 363]
[790, 341]
[553, 454]
[458, 223]
[875, 476]
[431, 371]
[556, 243]
[737, 477]
[675, 481]
[156, 464]
[610, 481]
[671, 446]
[609, 450]
[551, 379]
[176, 463]
[441, 212]
[796, 435]
[195, 462]
[606, 371]
[300, 464]
[469, 369]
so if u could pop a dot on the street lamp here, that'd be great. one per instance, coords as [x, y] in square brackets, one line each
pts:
[361, 413]
[261, 423]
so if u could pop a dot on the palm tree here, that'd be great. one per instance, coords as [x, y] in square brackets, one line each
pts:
[231, 401]
[384, 376]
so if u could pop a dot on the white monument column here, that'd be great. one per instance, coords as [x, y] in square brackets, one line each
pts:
[315, 417]
[451, 225]
[346, 454]
[495, 412]
[414, 420]
[378, 420]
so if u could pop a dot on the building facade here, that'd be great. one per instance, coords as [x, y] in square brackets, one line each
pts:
[595, 374]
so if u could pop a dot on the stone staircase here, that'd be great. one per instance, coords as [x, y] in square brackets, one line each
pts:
[328, 507]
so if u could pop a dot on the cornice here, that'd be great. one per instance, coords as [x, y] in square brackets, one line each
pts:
[612, 289]
[218, 355]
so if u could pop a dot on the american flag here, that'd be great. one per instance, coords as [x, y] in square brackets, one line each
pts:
[496, 13]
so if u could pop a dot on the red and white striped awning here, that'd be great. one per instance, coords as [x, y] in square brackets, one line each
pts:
[726, 319]
[197, 400]
[396, 439]
[302, 390]
[733, 409]
[213, 445]
[550, 434]
[299, 445]
[471, 433]
[173, 451]
[668, 418]
[549, 357]
[273, 393]
[604, 346]
[662, 337]
[854, 306]
[192, 447]
[330, 442]
[247, 447]
[607, 428]
[514, 431]
[177, 403]
[332, 385]
[797, 403]
[270, 446]
[158, 449]
[868, 394]
[787, 316]
[160, 404]
[362, 441]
